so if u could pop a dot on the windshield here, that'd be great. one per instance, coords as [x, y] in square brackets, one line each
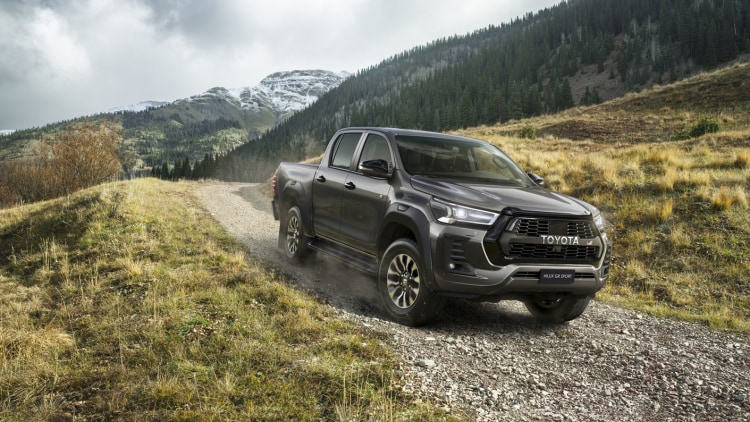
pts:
[459, 158]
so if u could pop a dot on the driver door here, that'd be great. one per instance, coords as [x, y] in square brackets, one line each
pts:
[365, 198]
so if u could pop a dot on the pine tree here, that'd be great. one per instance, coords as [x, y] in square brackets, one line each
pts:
[564, 98]
[177, 171]
[164, 174]
[515, 102]
[187, 172]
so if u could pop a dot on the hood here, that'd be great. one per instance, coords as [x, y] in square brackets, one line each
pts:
[496, 198]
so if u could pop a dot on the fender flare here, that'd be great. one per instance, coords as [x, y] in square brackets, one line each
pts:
[293, 193]
[414, 220]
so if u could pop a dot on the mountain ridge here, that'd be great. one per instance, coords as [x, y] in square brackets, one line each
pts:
[285, 92]
[139, 106]
[206, 124]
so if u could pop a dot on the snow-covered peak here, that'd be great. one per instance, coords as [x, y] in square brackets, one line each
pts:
[140, 106]
[6, 131]
[283, 93]
[288, 92]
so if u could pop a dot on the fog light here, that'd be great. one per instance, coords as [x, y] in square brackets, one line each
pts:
[452, 266]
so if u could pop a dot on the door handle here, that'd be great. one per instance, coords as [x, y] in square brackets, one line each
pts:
[321, 179]
[350, 185]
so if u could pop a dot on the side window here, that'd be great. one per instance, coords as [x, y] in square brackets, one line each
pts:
[376, 148]
[347, 143]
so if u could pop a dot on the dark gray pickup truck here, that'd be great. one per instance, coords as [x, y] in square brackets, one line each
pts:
[434, 216]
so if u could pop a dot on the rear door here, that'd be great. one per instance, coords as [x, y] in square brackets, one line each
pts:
[328, 185]
[365, 198]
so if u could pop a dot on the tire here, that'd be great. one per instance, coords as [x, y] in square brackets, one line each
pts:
[557, 309]
[401, 284]
[295, 242]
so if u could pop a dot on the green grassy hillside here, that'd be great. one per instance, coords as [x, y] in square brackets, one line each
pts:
[127, 302]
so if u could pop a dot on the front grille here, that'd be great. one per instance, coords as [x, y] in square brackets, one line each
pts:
[542, 239]
[536, 227]
[527, 250]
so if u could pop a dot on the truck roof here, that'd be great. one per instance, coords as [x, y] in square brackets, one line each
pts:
[405, 132]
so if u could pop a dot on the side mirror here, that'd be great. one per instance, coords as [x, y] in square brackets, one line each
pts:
[539, 180]
[375, 168]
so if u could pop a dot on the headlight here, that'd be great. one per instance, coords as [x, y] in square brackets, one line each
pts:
[600, 222]
[449, 213]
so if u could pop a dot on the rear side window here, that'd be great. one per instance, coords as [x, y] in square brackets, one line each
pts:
[342, 156]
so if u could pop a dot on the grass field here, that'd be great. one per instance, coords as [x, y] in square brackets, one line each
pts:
[127, 302]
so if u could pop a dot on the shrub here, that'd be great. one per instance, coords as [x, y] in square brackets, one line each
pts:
[704, 126]
[528, 132]
[76, 158]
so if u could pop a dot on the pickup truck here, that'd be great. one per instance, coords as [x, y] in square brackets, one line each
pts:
[434, 216]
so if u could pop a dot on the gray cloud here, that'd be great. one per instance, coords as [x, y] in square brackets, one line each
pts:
[64, 59]
[206, 24]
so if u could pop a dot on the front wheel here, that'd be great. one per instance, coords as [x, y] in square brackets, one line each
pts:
[295, 243]
[402, 287]
[558, 308]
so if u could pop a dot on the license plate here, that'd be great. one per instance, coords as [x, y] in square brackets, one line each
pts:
[557, 276]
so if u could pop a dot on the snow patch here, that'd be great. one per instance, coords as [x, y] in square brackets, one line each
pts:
[288, 92]
[141, 106]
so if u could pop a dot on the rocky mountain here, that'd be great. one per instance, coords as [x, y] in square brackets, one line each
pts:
[288, 92]
[212, 122]
[220, 119]
[256, 108]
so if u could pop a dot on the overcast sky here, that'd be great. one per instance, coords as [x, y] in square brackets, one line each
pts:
[61, 59]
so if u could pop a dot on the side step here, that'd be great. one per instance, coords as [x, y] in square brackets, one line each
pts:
[364, 263]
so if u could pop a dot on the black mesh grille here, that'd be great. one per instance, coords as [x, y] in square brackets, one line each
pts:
[534, 227]
[581, 229]
[525, 250]
[531, 227]
[534, 239]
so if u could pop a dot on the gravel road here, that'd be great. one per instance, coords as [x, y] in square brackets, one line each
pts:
[494, 362]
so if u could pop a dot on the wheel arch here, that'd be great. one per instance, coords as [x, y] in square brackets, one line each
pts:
[293, 196]
[410, 224]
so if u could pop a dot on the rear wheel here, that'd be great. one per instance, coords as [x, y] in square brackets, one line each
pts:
[556, 309]
[402, 287]
[295, 245]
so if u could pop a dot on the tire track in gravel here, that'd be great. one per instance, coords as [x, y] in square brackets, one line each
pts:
[495, 362]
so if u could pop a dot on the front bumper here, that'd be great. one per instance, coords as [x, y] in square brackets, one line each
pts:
[509, 259]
